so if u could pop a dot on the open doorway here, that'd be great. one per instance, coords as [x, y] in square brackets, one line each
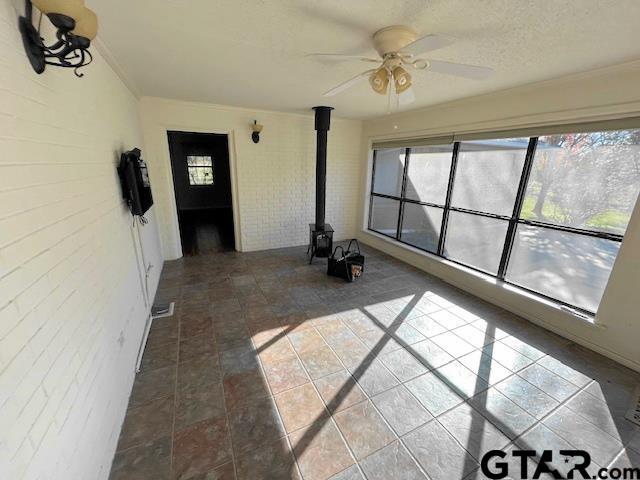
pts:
[202, 184]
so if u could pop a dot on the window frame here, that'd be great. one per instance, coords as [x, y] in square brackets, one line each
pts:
[197, 168]
[401, 201]
[513, 220]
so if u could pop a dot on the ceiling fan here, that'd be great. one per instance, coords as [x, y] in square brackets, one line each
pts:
[399, 47]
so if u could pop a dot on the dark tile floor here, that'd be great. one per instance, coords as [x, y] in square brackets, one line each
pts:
[206, 231]
[270, 369]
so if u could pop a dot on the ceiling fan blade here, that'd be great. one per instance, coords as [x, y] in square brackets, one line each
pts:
[407, 97]
[460, 69]
[427, 44]
[337, 57]
[349, 83]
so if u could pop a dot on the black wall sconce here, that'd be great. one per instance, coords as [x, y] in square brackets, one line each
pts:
[76, 26]
[257, 128]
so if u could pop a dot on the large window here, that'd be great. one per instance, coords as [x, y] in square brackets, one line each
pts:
[544, 213]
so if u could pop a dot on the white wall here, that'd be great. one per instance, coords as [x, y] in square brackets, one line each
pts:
[603, 94]
[71, 303]
[273, 181]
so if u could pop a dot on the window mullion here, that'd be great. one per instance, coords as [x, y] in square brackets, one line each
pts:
[373, 179]
[578, 231]
[384, 195]
[517, 208]
[447, 203]
[407, 154]
[480, 213]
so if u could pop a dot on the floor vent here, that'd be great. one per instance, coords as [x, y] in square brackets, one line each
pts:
[633, 415]
[162, 310]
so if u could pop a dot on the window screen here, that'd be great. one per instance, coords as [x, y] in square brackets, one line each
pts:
[545, 213]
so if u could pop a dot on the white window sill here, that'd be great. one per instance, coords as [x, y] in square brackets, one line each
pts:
[500, 286]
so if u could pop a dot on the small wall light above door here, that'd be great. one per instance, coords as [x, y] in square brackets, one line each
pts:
[257, 128]
[76, 26]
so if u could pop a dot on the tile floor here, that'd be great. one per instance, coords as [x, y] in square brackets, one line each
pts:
[272, 370]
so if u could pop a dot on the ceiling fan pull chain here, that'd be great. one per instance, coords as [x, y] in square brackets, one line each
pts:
[389, 101]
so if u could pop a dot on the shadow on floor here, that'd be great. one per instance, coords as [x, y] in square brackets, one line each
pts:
[271, 369]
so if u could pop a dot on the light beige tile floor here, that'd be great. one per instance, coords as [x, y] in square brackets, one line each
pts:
[270, 369]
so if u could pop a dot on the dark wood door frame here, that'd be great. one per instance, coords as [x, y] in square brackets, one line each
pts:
[230, 174]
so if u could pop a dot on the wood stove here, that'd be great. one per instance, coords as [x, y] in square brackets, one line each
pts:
[320, 241]
[321, 233]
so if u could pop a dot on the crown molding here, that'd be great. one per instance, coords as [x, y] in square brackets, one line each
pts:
[233, 108]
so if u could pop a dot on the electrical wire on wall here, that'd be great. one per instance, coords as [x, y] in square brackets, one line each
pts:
[144, 283]
[136, 191]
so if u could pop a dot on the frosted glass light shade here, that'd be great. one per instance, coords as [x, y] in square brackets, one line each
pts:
[70, 8]
[402, 79]
[86, 25]
[379, 80]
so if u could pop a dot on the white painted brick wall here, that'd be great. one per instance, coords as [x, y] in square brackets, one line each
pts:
[275, 178]
[69, 279]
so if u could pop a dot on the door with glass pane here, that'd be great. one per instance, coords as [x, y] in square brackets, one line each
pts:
[202, 185]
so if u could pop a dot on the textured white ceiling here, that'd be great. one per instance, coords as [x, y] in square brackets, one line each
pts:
[251, 53]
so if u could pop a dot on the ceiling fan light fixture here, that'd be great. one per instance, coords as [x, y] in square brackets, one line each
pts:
[379, 81]
[402, 79]
[399, 48]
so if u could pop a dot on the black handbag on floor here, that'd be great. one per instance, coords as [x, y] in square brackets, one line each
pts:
[348, 265]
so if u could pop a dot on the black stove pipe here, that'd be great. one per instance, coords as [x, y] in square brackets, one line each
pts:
[323, 120]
